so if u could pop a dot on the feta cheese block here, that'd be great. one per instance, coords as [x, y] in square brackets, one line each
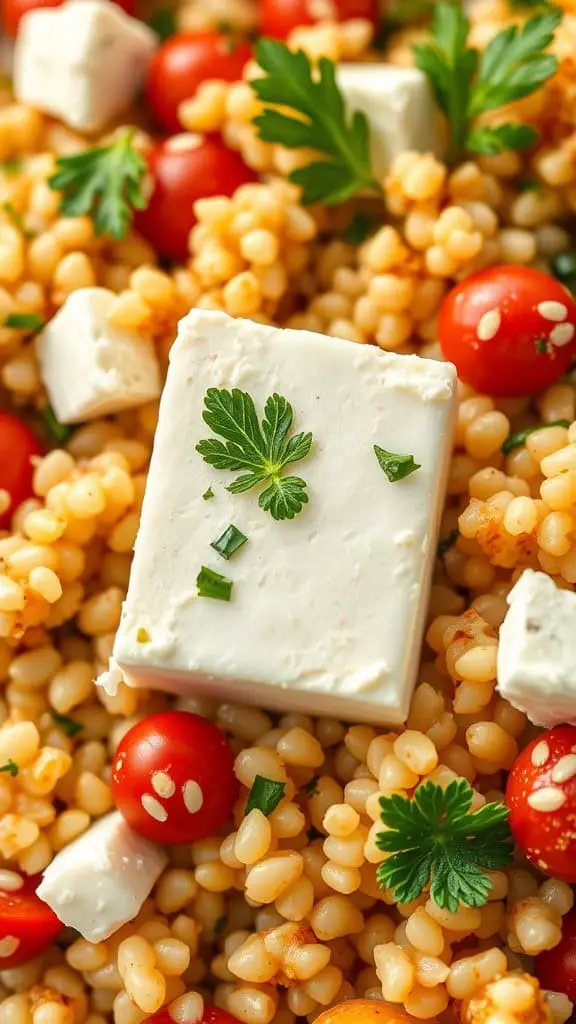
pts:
[399, 105]
[91, 368]
[99, 881]
[537, 650]
[327, 609]
[82, 62]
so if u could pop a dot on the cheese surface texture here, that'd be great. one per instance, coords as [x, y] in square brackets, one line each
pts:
[83, 62]
[91, 368]
[326, 611]
[537, 650]
[99, 881]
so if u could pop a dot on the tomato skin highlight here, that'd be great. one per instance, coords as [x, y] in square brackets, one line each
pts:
[180, 177]
[18, 444]
[279, 17]
[504, 358]
[211, 1015]
[25, 917]
[158, 762]
[182, 63]
[14, 10]
[556, 968]
[544, 835]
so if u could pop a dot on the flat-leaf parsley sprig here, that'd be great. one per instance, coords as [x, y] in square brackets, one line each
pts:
[263, 451]
[435, 840]
[467, 84]
[313, 116]
[105, 182]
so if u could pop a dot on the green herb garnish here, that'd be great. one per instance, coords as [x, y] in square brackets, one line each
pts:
[220, 924]
[104, 182]
[263, 450]
[360, 228]
[313, 116]
[312, 787]
[448, 542]
[564, 269]
[229, 542]
[61, 432]
[212, 584]
[16, 218]
[11, 166]
[10, 767]
[163, 23]
[541, 346]
[265, 795]
[30, 322]
[434, 838]
[396, 467]
[518, 438]
[528, 185]
[208, 494]
[467, 83]
[68, 725]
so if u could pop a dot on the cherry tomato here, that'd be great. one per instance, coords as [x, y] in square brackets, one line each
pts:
[279, 17]
[13, 10]
[211, 1015]
[510, 331]
[183, 169]
[17, 445]
[541, 795]
[365, 1011]
[556, 968]
[183, 62]
[173, 778]
[27, 925]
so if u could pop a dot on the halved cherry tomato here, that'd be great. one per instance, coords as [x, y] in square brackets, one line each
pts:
[541, 795]
[185, 168]
[279, 17]
[510, 331]
[183, 62]
[365, 1011]
[556, 968]
[27, 925]
[17, 446]
[173, 778]
[211, 1015]
[13, 10]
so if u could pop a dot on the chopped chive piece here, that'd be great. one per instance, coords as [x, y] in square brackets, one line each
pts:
[518, 438]
[208, 494]
[11, 767]
[448, 542]
[212, 584]
[396, 467]
[265, 795]
[68, 725]
[359, 229]
[59, 431]
[24, 322]
[229, 542]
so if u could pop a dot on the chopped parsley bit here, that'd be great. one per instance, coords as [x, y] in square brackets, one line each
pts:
[229, 542]
[434, 838]
[208, 494]
[518, 438]
[265, 795]
[16, 219]
[30, 322]
[11, 767]
[313, 116]
[61, 432]
[163, 23]
[11, 166]
[142, 635]
[541, 345]
[448, 542]
[104, 182]
[467, 83]
[68, 725]
[262, 450]
[360, 228]
[312, 786]
[528, 185]
[220, 924]
[396, 467]
[212, 584]
[564, 269]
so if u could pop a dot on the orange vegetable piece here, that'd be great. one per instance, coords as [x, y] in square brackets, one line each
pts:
[365, 1011]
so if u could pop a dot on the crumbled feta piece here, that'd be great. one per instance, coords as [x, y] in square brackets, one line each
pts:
[100, 881]
[82, 62]
[91, 368]
[399, 105]
[537, 650]
[327, 609]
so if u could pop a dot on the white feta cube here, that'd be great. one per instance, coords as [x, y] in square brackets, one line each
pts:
[327, 609]
[100, 881]
[91, 368]
[82, 62]
[537, 650]
[399, 105]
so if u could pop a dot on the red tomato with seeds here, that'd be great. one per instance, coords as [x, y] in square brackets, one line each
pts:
[279, 17]
[541, 795]
[183, 169]
[173, 778]
[13, 10]
[17, 446]
[556, 968]
[510, 331]
[183, 62]
[27, 925]
[211, 1015]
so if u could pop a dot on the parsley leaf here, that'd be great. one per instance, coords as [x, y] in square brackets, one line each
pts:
[396, 467]
[313, 116]
[265, 795]
[208, 494]
[105, 182]
[11, 767]
[30, 322]
[59, 431]
[433, 838]
[68, 725]
[518, 438]
[467, 83]
[263, 451]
